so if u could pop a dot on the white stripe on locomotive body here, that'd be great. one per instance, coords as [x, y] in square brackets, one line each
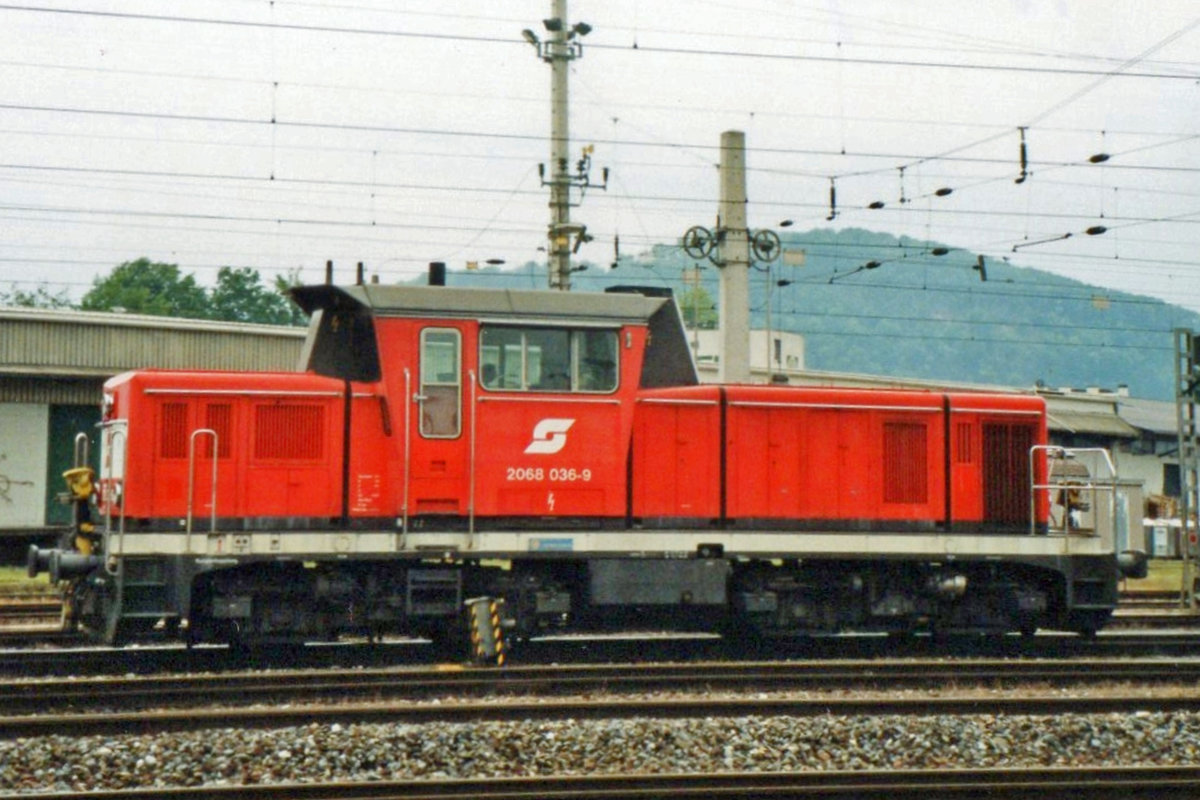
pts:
[1012, 412]
[837, 406]
[542, 398]
[244, 393]
[642, 543]
[665, 401]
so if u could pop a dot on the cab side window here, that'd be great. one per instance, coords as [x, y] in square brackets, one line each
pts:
[596, 357]
[547, 359]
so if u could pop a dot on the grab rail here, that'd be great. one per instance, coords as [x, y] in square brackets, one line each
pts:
[216, 453]
[80, 458]
[1079, 489]
[471, 488]
[115, 434]
[408, 393]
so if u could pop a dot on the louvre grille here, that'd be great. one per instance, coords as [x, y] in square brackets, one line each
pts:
[904, 463]
[964, 452]
[292, 432]
[174, 442]
[218, 417]
[1006, 472]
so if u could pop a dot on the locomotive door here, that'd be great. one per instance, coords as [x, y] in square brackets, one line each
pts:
[440, 454]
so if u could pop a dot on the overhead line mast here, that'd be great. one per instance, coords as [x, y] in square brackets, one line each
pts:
[563, 46]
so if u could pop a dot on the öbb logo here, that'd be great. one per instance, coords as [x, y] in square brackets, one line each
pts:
[549, 436]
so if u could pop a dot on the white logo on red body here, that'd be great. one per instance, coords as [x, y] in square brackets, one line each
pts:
[549, 436]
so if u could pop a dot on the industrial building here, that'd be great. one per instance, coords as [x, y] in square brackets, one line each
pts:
[53, 364]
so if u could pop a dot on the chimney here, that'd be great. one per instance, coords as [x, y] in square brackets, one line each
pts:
[437, 273]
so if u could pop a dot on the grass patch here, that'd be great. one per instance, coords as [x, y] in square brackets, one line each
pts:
[1165, 575]
[15, 580]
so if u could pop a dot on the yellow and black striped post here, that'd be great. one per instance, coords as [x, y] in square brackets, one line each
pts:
[485, 618]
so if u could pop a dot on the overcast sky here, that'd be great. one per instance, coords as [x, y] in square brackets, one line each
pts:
[280, 134]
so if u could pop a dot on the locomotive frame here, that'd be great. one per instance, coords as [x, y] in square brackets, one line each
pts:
[476, 465]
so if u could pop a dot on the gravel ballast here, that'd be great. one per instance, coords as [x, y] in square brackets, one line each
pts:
[492, 749]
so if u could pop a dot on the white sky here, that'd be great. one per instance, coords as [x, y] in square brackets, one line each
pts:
[410, 131]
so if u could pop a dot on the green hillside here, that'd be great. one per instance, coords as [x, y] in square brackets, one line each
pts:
[919, 315]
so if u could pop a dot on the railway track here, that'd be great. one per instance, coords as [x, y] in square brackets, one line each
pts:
[21, 612]
[123, 705]
[60, 654]
[521, 713]
[1098, 783]
[161, 722]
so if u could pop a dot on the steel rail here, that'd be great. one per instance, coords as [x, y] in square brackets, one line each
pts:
[25, 654]
[1074, 783]
[600, 707]
[13, 609]
[380, 683]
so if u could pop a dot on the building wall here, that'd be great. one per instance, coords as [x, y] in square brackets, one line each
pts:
[1145, 468]
[23, 464]
[786, 351]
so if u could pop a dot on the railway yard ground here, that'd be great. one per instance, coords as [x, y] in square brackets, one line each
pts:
[838, 720]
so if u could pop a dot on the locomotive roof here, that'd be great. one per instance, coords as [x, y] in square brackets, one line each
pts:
[444, 301]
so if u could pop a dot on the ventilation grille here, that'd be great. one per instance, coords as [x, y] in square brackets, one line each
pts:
[174, 441]
[1006, 472]
[218, 418]
[905, 450]
[290, 432]
[963, 450]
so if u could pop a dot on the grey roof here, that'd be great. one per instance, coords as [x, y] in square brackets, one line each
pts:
[445, 301]
[88, 343]
[667, 362]
[1100, 422]
[1155, 416]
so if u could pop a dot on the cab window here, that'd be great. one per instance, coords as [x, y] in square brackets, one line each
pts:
[547, 359]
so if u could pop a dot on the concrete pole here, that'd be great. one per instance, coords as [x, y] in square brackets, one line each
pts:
[734, 262]
[559, 251]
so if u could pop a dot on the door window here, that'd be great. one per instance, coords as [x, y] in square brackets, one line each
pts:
[441, 385]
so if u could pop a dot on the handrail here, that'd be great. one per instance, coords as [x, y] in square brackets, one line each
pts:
[112, 566]
[1088, 482]
[191, 497]
[81, 459]
[408, 401]
[471, 489]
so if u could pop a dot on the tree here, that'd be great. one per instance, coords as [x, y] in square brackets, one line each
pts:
[284, 284]
[240, 296]
[148, 287]
[699, 310]
[41, 297]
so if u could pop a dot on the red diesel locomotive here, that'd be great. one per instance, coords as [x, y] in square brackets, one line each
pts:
[533, 461]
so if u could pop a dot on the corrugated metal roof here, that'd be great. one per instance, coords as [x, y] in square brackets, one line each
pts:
[52, 343]
[1089, 422]
[1155, 416]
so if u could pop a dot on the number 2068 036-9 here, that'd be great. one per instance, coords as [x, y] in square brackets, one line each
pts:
[557, 474]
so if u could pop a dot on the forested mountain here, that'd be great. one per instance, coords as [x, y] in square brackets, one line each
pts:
[921, 315]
